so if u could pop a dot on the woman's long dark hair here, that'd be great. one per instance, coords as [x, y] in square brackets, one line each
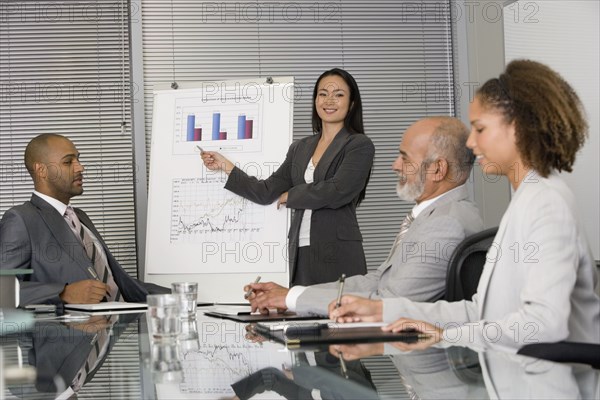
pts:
[354, 119]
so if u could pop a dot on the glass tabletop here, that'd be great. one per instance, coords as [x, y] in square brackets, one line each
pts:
[112, 356]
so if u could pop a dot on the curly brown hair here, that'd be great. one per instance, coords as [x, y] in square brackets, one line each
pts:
[550, 124]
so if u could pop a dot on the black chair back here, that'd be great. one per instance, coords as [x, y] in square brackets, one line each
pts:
[466, 265]
[570, 352]
[464, 270]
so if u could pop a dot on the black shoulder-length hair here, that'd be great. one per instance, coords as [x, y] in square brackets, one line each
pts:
[354, 119]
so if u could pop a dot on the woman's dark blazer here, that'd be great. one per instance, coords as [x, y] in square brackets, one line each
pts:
[339, 177]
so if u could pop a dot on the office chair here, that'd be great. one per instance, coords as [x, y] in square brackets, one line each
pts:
[569, 352]
[464, 269]
[466, 265]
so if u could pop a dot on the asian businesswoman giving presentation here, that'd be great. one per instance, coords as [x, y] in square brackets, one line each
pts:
[323, 178]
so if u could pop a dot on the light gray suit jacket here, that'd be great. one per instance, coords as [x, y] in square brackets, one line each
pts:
[35, 236]
[510, 376]
[538, 284]
[418, 267]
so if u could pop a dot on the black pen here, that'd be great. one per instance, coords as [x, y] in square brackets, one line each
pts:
[340, 291]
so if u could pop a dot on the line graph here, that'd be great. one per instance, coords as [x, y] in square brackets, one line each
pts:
[214, 367]
[201, 210]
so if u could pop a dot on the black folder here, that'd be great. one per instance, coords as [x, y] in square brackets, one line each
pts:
[336, 335]
[287, 316]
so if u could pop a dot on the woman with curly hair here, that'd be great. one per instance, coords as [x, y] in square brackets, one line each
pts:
[539, 282]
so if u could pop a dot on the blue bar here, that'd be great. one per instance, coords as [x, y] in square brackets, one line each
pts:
[190, 127]
[216, 126]
[241, 126]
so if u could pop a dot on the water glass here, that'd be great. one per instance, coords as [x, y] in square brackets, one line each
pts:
[163, 316]
[188, 297]
[166, 363]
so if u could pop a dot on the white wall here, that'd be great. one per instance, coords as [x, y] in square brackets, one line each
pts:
[479, 50]
[565, 36]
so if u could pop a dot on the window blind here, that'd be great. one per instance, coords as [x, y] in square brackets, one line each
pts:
[400, 54]
[64, 68]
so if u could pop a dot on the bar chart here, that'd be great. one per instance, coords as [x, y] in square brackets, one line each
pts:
[245, 127]
[219, 126]
[194, 133]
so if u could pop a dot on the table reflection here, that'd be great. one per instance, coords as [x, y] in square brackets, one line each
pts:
[219, 359]
[458, 372]
[510, 376]
[66, 354]
[212, 355]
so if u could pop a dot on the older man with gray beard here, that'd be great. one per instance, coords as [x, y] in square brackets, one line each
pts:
[433, 166]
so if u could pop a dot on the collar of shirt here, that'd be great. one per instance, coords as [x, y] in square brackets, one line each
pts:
[418, 208]
[57, 204]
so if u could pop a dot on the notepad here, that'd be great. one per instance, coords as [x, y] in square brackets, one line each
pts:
[348, 325]
[278, 326]
[107, 306]
[281, 325]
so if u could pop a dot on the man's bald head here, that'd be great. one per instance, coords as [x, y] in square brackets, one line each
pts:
[449, 141]
[433, 158]
[37, 150]
[53, 163]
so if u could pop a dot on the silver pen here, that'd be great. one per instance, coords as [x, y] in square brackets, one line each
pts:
[249, 292]
[343, 365]
[340, 291]
[92, 271]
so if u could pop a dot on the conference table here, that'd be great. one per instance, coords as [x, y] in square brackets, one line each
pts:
[114, 357]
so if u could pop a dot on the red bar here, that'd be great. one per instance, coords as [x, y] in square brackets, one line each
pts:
[248, 132]
[222, 135]
[197, 134]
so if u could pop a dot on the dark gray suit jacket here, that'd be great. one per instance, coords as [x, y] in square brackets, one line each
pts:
[35, 236]
[340, 176]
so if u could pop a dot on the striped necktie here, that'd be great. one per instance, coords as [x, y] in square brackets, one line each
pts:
[99, 343]
[95, 252]
[403, 229]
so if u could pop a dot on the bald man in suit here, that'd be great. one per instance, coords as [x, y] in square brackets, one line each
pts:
[432, 167]
[36, 235]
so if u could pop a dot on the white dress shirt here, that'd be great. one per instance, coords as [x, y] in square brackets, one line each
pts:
[304, 235]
